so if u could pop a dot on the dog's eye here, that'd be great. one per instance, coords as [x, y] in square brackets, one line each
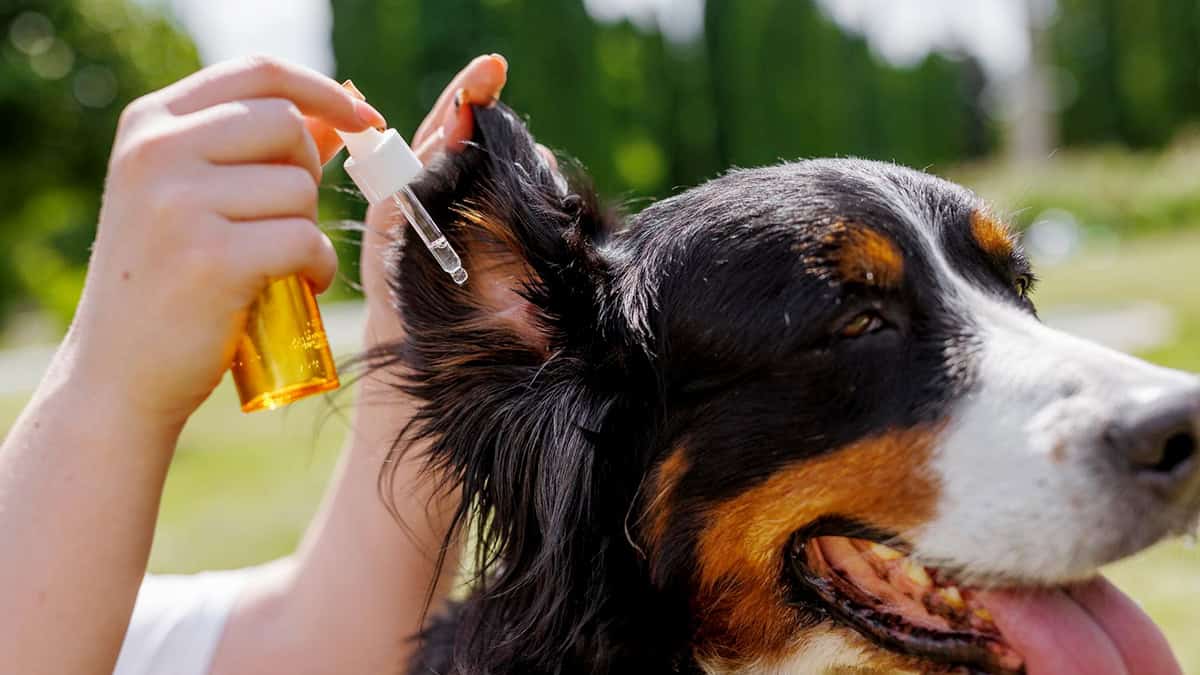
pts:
[1022, 284]
[867, 322]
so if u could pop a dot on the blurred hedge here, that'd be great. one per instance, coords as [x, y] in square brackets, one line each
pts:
[767, 80]
[1128, 71]
[66, 71]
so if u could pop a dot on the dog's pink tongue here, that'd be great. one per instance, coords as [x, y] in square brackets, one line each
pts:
[1089, 629]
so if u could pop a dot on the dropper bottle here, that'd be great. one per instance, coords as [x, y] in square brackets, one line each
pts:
[283, 354]
[382, 165]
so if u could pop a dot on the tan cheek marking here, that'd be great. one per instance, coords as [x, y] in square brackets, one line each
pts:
[659, 508]
[992, 234]
[866, 256]
[881, 481]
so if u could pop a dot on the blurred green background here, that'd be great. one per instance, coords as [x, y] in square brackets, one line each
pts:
[1077, 117]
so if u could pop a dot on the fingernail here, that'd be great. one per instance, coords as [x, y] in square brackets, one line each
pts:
[367, 113]
[348, 85]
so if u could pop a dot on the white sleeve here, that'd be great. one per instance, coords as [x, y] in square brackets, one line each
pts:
[177, 622]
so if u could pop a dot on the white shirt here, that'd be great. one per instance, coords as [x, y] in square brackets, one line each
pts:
[177, 622]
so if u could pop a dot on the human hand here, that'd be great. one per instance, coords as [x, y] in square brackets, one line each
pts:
[447, 125]
[211, 192]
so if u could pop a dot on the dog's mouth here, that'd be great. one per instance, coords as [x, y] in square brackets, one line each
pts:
[907, 608]
[902, 605]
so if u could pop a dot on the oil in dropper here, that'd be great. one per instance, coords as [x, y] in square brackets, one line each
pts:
[382, 165]
[429, 232]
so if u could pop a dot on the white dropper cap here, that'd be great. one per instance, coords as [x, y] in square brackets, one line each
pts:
[380, 162]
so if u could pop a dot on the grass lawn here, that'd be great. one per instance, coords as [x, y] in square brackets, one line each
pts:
[242, 487]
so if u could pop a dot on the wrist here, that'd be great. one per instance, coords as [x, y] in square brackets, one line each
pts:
[83, 387]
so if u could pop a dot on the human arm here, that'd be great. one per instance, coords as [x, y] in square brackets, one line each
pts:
[349, 600]
[179, 256]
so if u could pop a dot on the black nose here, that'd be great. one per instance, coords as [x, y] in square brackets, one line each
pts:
[1160, 440]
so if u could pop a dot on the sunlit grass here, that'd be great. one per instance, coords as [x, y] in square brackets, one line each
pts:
[241, 488]
[1105, 188]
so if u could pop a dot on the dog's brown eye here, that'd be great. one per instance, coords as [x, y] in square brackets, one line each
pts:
[867, 322]
[1021, 285]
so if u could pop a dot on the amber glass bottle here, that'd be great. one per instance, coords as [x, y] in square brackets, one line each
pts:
[284, 353]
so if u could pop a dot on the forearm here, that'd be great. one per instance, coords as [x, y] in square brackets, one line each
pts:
[354, 593]
[80, 481]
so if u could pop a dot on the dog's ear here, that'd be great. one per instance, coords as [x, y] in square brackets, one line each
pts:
[518, 373]
[529, 239]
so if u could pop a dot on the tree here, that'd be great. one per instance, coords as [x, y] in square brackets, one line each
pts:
[1130, 69]
[66, 71]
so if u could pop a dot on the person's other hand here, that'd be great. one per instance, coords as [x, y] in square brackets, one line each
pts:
[444, 129]
[211, 192]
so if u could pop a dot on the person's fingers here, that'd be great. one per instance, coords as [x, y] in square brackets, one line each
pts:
[548, 155]
[280, 247]
[430, 147]
[255, 131]
[325, 136]
[327, 142]
[478, 83]
[460, 128]
[279, 191]
[459, 124]
[482, 79]
[262, 77]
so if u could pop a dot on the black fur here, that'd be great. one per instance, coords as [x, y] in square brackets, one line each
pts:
[710, 320]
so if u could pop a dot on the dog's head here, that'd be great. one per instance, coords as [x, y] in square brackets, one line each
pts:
[792, 420]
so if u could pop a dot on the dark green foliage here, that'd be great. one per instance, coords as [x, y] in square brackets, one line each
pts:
[55, 147]
[770, 80]
[1131, 69]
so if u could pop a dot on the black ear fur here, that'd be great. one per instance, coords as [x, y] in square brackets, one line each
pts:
[519, 372]
[505, 209]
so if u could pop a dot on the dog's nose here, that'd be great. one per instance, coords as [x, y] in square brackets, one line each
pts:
[1160, 440]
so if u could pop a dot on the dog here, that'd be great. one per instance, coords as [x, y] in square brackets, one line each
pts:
[799, 419]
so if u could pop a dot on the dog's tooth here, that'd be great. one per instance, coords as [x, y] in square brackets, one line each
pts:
[917, 573]
[983, 613]
[885, 552]
[952, 598]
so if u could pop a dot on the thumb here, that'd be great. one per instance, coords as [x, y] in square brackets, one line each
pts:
[328, 142]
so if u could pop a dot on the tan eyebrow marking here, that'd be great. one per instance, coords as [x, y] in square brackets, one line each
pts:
[865, 255]
[993, 235]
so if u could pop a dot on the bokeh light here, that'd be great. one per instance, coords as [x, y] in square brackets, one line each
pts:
[32, 33]
[55, 62]
[95, 86]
